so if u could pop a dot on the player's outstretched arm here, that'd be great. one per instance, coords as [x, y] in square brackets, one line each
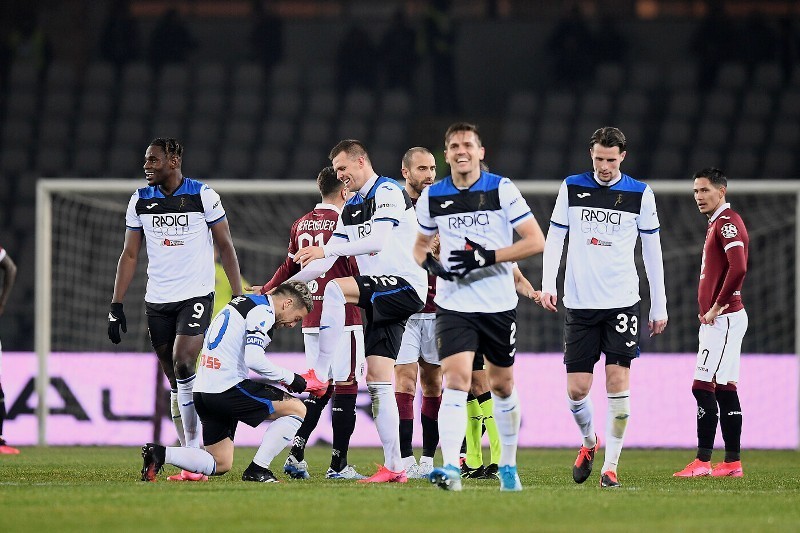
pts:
[221, 232]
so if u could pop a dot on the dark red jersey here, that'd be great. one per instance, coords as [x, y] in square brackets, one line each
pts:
[724, 262]
[430, 307]
[314, 229]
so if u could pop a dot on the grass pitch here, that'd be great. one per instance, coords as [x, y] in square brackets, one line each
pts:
[97, 489]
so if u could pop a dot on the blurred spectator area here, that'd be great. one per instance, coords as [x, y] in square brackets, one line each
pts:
[81, 116]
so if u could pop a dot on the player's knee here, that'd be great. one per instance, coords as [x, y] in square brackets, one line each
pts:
[223, 465]
[333, 293]
[577, 391]
[293, 407]
[404, 383]
[184, 364]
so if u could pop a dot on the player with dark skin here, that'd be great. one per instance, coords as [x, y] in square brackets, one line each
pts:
[164, 170]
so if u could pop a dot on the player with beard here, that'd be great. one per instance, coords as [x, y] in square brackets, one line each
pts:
[417, 354]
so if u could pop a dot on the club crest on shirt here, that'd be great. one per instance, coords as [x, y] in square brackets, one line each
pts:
[729, 231]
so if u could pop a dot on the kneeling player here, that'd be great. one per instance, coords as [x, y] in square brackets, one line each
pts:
[223, 394]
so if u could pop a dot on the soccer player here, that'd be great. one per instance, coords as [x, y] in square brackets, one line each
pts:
[377, 227]
[475, 213]
[723, 323]
[181, 220]
[480, 409]
[348, 362]
[9, 276]
[604, 212]
[417, 354]
[235, 343]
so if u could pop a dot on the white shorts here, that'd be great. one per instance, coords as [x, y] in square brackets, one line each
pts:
[419, 340]
[348, 360]
[720, 348]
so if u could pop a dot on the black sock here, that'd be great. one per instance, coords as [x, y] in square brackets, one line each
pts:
[706, 422]
[463, 447]
[406, 435]
[343, 418]
[730, 421]
[430, 435]
[314, 408]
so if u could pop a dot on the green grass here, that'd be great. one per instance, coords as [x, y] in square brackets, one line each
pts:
[97, 489]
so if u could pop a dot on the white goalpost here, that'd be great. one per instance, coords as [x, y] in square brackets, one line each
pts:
[80, 229]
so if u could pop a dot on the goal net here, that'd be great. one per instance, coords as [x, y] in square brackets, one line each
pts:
[81, 224]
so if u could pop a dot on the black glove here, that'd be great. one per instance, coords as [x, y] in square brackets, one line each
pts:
[297, 385]
[116, 319]
[475, 256]
[435, 268]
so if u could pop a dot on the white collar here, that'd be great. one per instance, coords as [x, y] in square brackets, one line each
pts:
[323, 205]
[719, 210]
[364, 191]
[603, 183]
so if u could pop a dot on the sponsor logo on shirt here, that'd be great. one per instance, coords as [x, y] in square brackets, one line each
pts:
[600, 221]
[446, 204]
[170, 225]
[594, 241]
[467, 220]
[172, 242]
[209, 362]
[584, 194]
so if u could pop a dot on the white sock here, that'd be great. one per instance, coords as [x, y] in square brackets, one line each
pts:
[191, 459]
[619, 411]
[331, 326]
[192, 429]
[387, 421]
[408, 462]
[425, 460]
[452, 424]
[583, 413]
[507, 416]
[176, 415]
[279, 434]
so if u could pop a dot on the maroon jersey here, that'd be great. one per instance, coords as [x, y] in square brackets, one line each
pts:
[314, 229]
[724, 262]
[430, 307]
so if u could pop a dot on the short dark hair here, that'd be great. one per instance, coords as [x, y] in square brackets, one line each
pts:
[714, 175]
[169, 145]
[609, 137]
[410, 153]
[461, 126]
[352, 147]
[328, 183]
[298, 291]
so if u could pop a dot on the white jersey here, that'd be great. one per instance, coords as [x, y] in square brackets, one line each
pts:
[383, 199]
[236, 341]
[486, 213]
[604, 223]
[180, 248]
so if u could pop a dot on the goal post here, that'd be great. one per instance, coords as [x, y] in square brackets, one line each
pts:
[80, 231]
